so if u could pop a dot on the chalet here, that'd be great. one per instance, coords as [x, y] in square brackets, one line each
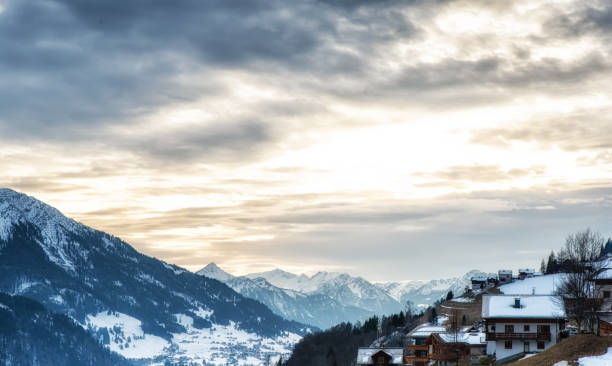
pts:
[518, 325]
[447, 348]
[479, 283]
[380, 356]
[504, 276]
[416, 351]
[526, 273]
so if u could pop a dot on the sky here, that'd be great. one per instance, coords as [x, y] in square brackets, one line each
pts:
[394, 140]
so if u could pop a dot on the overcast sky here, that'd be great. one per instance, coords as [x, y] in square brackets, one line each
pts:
[389, 139]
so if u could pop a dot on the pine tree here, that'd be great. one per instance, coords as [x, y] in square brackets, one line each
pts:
[543, 267]
[449, 296]
[552, 265]
[433, 316]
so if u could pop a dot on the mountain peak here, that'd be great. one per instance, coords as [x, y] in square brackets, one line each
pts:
[55, 228]
[213, 271]
[18, 207]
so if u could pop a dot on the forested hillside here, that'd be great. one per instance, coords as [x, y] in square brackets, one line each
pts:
[338, 345]
[30, 335]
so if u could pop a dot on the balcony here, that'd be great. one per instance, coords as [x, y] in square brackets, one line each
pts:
[518, 336]
[413, 359]
[417, 347]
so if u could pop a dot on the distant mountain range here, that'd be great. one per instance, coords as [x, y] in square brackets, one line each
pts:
[138, 306]
[328, 298]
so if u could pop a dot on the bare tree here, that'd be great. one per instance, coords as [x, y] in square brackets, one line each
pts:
[577, 288]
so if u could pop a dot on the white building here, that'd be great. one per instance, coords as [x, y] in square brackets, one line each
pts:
[516, 325]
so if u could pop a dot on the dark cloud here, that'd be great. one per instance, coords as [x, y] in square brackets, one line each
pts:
[586, 19]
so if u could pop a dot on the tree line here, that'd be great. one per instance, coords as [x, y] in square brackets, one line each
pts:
[338, 345]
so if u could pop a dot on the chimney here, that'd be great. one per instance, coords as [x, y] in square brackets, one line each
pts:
[517, 302]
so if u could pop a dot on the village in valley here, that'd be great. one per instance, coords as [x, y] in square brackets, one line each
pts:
[511, 316]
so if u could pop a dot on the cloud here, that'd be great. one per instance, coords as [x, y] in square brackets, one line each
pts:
[572, 131]
[303, 132]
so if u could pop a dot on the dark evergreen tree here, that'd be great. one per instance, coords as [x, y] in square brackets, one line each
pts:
[449, 296]
[552, 266]
[433, 316]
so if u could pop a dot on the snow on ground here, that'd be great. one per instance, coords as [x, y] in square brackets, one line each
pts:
[544, 285]
[528, 355]
[463, 299]
[126, 335]
[561, 363]
[603, 360]
[214, 345]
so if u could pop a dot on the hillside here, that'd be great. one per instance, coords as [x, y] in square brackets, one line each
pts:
[30, 335]
[146, 308]
[569, 349]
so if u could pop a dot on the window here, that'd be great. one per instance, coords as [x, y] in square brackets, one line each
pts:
[493, 328]
[508, 345]
[606, 294]
[540, 345]
[543, 328]
[525, 328]
[509, 329]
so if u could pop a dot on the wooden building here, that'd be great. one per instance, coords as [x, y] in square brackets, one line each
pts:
[380, 356]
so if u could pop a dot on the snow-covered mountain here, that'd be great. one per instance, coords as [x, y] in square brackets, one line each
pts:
[328, 298]
[315, 309]
[136, 305]
[346, 289]
[425, 293]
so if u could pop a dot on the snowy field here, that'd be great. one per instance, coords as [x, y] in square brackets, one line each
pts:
[603, 360]
[218, 345]
[543, 285]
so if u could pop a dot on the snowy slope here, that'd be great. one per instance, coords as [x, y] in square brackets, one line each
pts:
[602, 360]
[127, 300]
[542, 285]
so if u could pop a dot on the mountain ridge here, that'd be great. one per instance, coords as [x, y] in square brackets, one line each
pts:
[137, 301]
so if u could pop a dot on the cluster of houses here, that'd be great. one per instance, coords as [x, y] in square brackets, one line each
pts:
[511, 327]
[504, 276]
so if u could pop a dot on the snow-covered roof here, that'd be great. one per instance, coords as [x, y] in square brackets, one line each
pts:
[475, 338]
[425, 330]
[544, 285]
[364, 355]
[479, 279]
[505, 271]
[532, 306]
[605, 275]
[526, 270]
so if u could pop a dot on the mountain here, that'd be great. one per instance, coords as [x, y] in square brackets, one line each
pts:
[318, 310]
[425, 293]
[147, 309]
[329, 298]
[347, 290]
[31, 335]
